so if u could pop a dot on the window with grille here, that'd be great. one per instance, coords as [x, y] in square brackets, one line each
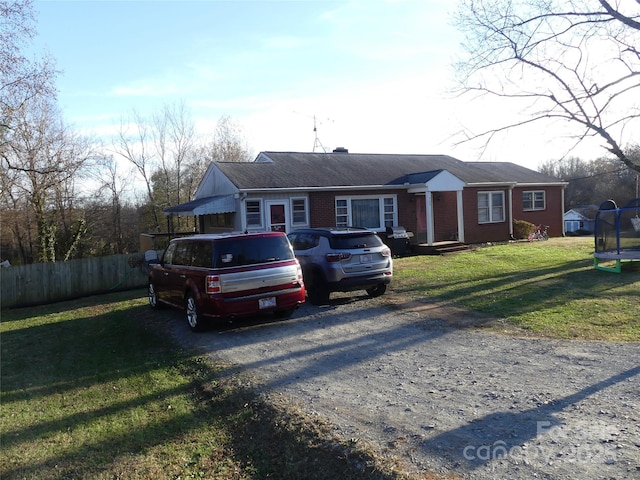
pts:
[254, 213]
[534, 200]
[490, 207]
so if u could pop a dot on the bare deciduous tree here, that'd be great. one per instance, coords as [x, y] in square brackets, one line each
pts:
[163, 150]
[106, 208]
[590, 182]
[41, 162]
[175, 142]
[134, 144]
[228, 143]
[20, 78]
[574, 61]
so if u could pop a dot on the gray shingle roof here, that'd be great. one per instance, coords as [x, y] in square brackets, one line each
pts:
[296, 170]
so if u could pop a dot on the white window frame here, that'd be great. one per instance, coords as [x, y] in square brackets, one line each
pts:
[260, 214]
[532, 200]
[490, 206]
[387, 210]
[343, 211]
[293, 211]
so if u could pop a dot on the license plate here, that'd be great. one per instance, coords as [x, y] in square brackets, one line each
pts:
[267, 302]
[365, 258]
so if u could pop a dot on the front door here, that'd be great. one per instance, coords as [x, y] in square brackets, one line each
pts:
[277, 216]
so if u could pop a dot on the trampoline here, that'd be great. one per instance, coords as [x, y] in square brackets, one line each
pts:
[617, 235]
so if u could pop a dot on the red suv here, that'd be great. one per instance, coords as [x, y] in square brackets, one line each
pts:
[227, 276]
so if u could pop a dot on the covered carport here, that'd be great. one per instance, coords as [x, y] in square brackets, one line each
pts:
[199, 208]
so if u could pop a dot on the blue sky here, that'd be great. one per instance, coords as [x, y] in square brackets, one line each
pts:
[377, 75]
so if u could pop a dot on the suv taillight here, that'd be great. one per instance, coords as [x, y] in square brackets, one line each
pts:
[336, 257]
[299, 274]
[386, 252]
[212, 284]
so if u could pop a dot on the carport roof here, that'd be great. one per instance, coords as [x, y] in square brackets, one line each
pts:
[204, 206]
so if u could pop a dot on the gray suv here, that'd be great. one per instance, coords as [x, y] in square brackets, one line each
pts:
[341, 260]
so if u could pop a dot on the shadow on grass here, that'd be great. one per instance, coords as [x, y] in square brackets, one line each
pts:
[52, 366]
[527, 291]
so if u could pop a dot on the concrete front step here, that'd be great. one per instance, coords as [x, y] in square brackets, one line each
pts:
[439, 248]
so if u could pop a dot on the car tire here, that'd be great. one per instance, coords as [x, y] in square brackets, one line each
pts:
[317, 290]
[192, 314]
[377, 291]
[153, 297]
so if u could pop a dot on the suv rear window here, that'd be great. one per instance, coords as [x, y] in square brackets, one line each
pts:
[248, 251]
[355, 241]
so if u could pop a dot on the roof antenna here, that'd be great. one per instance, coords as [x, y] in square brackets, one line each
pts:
[316, 142]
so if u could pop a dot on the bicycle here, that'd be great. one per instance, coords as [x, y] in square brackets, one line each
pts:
[541, 233]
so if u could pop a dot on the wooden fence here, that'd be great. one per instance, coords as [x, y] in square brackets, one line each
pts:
[40, 283]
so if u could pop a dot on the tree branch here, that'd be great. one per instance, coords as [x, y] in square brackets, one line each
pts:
[629, 22]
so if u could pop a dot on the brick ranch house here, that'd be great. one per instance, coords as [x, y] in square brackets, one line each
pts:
[436, 197]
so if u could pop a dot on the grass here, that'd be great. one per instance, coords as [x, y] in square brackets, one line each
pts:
[547, 288]
[96, 388]
[93, 389]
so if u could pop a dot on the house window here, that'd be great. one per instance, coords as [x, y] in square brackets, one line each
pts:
[299, 211]
[534, 200]
[490, 207]
[254, 213]
[366, 211]
[389, 212]
[342, 212]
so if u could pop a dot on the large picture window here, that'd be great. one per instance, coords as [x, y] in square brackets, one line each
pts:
[490, 207]
[534, 200]
[366, 211]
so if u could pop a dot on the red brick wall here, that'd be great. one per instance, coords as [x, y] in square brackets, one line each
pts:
[475, 232]
[552, 215]
[322, 212]
[494, 232]
[445, 216]
[322, 209]
[407, 211]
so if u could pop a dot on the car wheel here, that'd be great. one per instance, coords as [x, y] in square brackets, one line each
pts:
[193, 315]
[317, 290]
[377, 290]
[153, 297]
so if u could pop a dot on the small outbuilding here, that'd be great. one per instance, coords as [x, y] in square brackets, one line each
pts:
[580, 220]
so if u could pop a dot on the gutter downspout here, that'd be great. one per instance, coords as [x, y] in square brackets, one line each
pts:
[511, 211]
[460, 216]
[564, 227]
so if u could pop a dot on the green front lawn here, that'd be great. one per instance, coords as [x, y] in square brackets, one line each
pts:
[545, 287]
[96, 389]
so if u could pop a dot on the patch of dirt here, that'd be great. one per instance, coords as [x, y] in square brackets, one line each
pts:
[435, 389]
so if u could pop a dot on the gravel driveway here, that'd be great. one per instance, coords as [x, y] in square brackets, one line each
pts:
[423, 383]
